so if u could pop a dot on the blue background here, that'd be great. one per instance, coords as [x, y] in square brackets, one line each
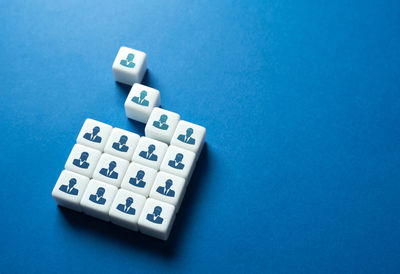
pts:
[300, 99]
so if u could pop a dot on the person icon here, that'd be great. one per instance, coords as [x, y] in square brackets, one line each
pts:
[121, 144]
[98, 197]
[186, 138]
[161, 123]
[167, 191]
[128, 62]
[110, 173]
[149, 153]
[140, 100]
[81, 162]
[177, 163]
[126, 208]
[93, 136]
[70, 189]
[155, 216]
[138, 180]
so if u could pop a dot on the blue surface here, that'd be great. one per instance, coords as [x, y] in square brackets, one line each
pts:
[301, 172]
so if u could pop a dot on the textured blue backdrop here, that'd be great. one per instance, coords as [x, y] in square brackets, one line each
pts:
[301, 104]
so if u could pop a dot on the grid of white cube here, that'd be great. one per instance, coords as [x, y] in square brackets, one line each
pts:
[135, 182]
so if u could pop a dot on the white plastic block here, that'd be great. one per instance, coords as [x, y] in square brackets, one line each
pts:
[140, 102]
[94, 134]
[126, 208]
[161, 125]
[97, 199]
[168, 188]
[189, 136]
[83, 160]
[110, 169]
[178, 161]
[69, 189]
[139, 179]
[149, 152]
[121, 143]
[157, 219]
[129, 66]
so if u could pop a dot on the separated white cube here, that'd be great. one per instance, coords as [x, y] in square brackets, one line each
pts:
[69, 189]
[110, 169]
[122, 143]
[126, 208]
[157, 219]
[140, 102]
[149, 152]
[129, 66]
[161, 125]
[178, 161]
[83, 160]
[97, 199]
[94, 134]
[189, 136]
[168, 188]
[139, 179]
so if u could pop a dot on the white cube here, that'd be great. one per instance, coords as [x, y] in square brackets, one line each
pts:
[161, 125]
[110, 169]
[149, 152]
[140, 102]
[139, 179]
[97, 199]
[126, 208]
[69, 189]
[189, 136]
[168, 188]
[157, 219]
[83, 160]
[122, 143]
[129, 66]
[178, 161]
[94, 134]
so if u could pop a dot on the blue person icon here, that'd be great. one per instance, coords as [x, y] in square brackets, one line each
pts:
[155, 216]
[138, 180]
[81, 162]
[167, 191]
[161, 123]
[149, 153]
[128, 62]
[98, 197]
[109, 172]
[177, 163]
[140, 100]
[121, 144]
[70, 189]
[186, 138]
[93, 136]
[126, 208]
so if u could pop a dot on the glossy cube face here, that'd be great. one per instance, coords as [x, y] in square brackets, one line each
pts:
[149, 152]
[83, 160]
[157, 219]
[110, 169]
[97, 199]
[140, 102]
[168, 188]
[126, 208]
[69, 189]
[139, 179]
[94, 134]
[121, 143]
[189, 136]
[129, 66]
[161, 125]
[178, 161]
